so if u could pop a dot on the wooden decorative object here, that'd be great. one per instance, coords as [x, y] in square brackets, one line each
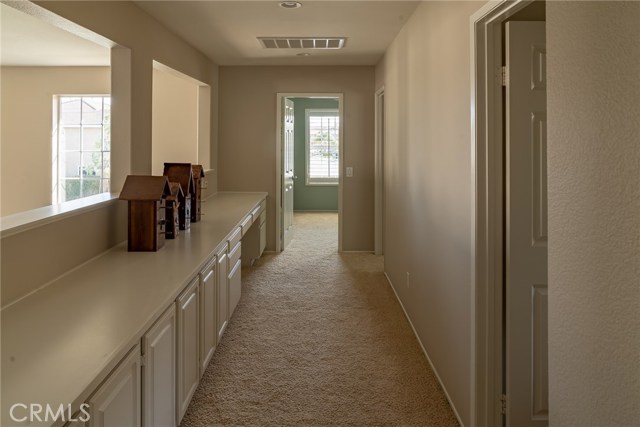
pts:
[146, 197]
[182, 174]
[196, 201]
[173, 202]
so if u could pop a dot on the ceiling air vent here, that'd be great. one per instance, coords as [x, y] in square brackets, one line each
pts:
[302, 42]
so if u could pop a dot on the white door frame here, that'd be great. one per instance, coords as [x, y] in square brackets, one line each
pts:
[379, 171]
[280, 96]
[486, 204]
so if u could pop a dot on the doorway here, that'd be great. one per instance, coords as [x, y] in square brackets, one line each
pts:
[309, 153]
[509, 321]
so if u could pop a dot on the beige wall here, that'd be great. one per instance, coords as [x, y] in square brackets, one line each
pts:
[129, 26]
[247, 151]
[27, 109]
[86, 235]
[427, 185]
[593, 68]
[175, 121]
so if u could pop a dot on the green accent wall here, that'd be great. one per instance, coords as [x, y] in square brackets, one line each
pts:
[309, 197]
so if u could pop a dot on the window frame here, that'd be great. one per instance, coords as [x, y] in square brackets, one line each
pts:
[326, 112]
[56, 176]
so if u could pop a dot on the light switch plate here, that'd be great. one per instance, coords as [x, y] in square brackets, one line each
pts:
[349, 171]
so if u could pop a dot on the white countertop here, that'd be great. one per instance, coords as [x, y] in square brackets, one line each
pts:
[59, 343]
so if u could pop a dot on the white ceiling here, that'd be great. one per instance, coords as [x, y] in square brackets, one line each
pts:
[226, 31]
[29, 41]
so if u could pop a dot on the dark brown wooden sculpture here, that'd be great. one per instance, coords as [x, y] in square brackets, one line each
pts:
[173, 204]
[196, 201]
[146, 197]
[182, 173]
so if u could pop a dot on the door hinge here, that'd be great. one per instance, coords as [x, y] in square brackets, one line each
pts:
[143, 360]
[504, 76]
[503, 404]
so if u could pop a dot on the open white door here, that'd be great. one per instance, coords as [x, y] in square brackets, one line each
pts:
[526, 226]
[379, 173]
[288, 175]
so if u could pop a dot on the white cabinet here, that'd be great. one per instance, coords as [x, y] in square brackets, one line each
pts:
[254, 240]
[208, 309]
[223, 293]
[188, 336]
[117, 402]
[235, 267]
[159, 372]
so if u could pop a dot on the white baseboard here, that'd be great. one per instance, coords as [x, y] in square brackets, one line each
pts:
[356, 252]
[433, 368]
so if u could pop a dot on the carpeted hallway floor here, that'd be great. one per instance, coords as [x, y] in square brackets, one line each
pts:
[318, 339]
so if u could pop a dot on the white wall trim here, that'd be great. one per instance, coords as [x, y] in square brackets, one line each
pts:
[486, 209]
[433, 368]
[280, 96]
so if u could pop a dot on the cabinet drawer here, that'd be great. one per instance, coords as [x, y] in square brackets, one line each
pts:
[235, 254]
[235, 238]
[246, 224]
[259, 209]
[263, 217]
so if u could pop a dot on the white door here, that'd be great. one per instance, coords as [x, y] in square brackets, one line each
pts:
[288, 175]
[159, 345]
[526, 226]
[379, 174]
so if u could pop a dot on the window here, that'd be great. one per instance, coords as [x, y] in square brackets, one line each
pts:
[322, 147]
[81, 147]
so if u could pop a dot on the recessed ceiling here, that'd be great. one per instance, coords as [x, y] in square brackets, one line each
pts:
[28, 41]
[228, 31]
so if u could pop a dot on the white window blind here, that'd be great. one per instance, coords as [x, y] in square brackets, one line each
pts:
[323, 146]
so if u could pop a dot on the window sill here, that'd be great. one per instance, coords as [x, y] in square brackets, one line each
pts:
[23, 221]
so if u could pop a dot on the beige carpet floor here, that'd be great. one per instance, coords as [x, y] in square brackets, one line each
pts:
[318, 339]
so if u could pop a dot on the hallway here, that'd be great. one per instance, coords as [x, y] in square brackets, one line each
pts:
[318, 339]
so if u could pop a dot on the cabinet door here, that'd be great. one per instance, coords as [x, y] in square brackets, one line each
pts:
[263, 238]
[117, 402]
[159, 372]
[208, 331]
[188, 343]
[223, 294]
[234, 287]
